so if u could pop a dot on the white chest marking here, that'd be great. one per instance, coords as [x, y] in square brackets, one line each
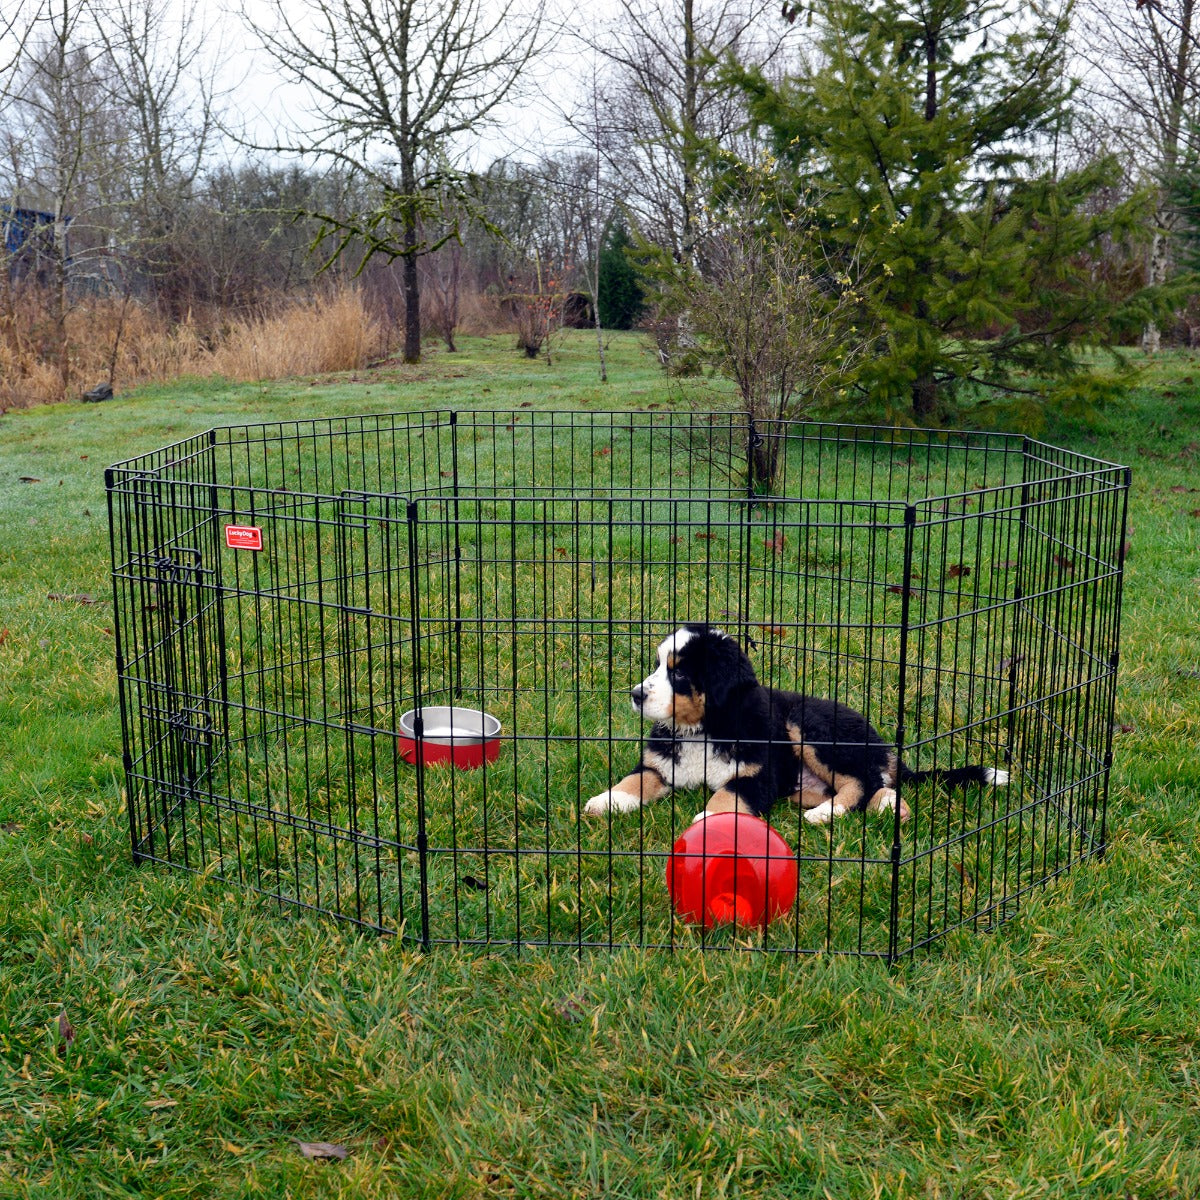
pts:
[699, 765]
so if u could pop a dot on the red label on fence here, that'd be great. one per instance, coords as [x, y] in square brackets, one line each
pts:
[243, 537]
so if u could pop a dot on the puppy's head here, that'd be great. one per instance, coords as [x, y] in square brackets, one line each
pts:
[698, 668]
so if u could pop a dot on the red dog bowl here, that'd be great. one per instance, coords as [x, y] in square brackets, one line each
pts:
[464, 737]
[731, 867]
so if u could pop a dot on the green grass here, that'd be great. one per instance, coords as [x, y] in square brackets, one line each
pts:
[213, 1033]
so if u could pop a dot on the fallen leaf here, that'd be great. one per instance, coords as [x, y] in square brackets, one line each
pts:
[706, 537]
[900, 590]
[3, 636]
[958, 571]
[66, 1033]
[569, 1010]
[776, 543]
[10, 827]
[604, 452]
[160, 1102]
[322, 1150]
[74, 597]
[1066, 564]
[773, 630]
[30, 479]
[475, 885]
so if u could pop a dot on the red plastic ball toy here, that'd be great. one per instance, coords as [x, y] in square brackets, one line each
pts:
[731, 867]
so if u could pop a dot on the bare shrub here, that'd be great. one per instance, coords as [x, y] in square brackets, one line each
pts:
[769, 308]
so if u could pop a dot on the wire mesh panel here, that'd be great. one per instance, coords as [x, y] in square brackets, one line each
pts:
[292, 597]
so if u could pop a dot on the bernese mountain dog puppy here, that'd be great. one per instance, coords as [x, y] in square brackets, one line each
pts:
[716, 726]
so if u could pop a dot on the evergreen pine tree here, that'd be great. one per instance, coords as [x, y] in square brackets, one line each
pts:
[920, 129]
[619, 295]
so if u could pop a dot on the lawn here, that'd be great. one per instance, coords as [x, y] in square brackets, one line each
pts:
[162, 1034]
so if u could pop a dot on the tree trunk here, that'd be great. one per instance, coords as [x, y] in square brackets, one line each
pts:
[1180, 75]
[689, 133]
[599, 340]
[764, 460]
[1156, 275]
[60, 349]
[924, 398]
[453, 295]
[412, 291]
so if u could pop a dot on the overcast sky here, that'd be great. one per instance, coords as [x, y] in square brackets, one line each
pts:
[259, 103]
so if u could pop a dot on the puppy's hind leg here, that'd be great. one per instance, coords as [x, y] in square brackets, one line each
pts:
[886, 800]
[847, 796]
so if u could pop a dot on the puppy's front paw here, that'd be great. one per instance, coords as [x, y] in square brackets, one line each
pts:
[996, 776]
[611, 801]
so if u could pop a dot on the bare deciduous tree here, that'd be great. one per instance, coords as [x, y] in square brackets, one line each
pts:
[662, 101]
[17, 19]
[109, 117]
[1144, 77]
[396, 84]
[60, 148]
[161, 73]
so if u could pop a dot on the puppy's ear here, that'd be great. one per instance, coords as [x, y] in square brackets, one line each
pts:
[727, 670]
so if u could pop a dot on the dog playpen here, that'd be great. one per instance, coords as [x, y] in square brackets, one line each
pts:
[288, 595]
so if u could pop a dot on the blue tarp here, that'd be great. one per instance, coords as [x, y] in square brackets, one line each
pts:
[20, 224]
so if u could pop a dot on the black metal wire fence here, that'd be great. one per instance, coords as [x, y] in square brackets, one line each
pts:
[285, 593]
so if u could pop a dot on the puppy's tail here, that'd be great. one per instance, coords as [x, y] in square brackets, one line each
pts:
[957, 777]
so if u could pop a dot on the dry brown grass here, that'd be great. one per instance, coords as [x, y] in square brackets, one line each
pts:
[136, 345]
[333, 334]
[481, 314]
